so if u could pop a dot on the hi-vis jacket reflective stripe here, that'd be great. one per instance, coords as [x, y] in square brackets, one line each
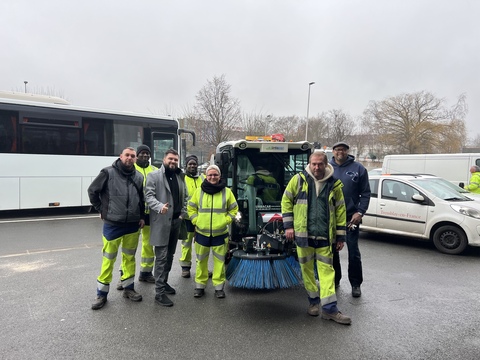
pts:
[295, 209]
[144, 172]
[192, 184]
[211, 214]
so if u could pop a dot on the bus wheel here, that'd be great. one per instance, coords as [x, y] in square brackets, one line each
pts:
[450, 240]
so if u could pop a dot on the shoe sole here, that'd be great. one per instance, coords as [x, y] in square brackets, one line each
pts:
[133, 299]
[99, 306]
[163, 304]
[326, 317]
[147, 281]
[185, 276]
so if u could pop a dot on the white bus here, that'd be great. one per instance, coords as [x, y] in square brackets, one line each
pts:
[50, 151]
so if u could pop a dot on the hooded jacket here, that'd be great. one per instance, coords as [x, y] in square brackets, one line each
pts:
[356, 188]
[295, 210]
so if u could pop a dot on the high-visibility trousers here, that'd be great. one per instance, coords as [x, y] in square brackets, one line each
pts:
[148, 256]
[201, 272]
[186, 258]
[129, 243]
[326, 274]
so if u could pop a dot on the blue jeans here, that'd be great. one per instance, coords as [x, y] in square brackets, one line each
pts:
[355, 273]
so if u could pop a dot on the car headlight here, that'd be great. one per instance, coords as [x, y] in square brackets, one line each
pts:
[467, 211]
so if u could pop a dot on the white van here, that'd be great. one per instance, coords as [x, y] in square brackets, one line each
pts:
[453, 167]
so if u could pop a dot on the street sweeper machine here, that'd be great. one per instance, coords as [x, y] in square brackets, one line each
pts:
[257, 170]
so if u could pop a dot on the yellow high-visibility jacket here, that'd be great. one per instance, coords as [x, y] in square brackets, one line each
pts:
[211, 214]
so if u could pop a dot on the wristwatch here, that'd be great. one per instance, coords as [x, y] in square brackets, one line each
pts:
[360, 213]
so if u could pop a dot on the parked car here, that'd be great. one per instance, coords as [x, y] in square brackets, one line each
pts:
[423, 207]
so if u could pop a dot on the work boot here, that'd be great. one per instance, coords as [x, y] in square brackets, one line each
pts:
[356, 292]
[199, 293]
[313, 310]
[337, 317]
[119, 285]
[163, 300]
[99, 302]
[185, 272]
[146, 277]
[132, 295]
[219, 294]
[169, 290]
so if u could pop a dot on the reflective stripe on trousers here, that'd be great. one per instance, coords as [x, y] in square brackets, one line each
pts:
[201, 272]
[148, 256]
[129, 244]
[326, 274]
[186, 258]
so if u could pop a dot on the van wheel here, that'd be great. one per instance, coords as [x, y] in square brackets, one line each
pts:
[450, 240]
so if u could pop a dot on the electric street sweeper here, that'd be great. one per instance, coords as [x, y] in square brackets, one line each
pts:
[257, 170]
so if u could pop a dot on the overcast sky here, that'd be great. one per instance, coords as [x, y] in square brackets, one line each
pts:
[154, 56]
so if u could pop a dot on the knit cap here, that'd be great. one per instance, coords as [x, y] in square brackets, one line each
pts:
[190, 158]
[143, 147]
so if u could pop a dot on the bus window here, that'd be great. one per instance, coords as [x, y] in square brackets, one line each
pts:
[8, 122]
[161, 143]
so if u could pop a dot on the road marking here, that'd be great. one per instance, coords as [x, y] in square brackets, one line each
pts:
[50, 219]
[28, 252]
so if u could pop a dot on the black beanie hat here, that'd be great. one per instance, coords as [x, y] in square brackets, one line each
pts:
[191, 157]
[143, 147]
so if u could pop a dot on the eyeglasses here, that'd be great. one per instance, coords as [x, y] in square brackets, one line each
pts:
[213, 175]
[340, 149]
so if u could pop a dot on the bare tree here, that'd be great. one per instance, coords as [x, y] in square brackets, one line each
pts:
[256, 124]
[290, 126]
[319, 129]
[412, 123]
[341, 126]
[216, 107]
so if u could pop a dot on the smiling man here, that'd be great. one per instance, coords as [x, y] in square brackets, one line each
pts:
[166, 196]
[356, 191]
[117, 194]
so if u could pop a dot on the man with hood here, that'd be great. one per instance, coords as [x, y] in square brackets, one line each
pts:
[192, 181]
[166, 196]
[117, 194]
[313, 212]
[356, 190]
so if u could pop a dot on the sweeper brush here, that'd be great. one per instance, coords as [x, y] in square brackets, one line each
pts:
[263, 265]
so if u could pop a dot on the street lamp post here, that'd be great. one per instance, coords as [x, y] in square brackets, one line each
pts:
[308, 108]
[25, 82]
[266, 123]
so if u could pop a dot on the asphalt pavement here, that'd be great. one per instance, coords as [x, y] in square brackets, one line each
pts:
[416, 304]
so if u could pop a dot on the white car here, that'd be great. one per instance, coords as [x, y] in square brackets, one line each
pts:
[424, 207]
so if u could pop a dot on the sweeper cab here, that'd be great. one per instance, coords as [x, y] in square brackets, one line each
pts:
[257, 170]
